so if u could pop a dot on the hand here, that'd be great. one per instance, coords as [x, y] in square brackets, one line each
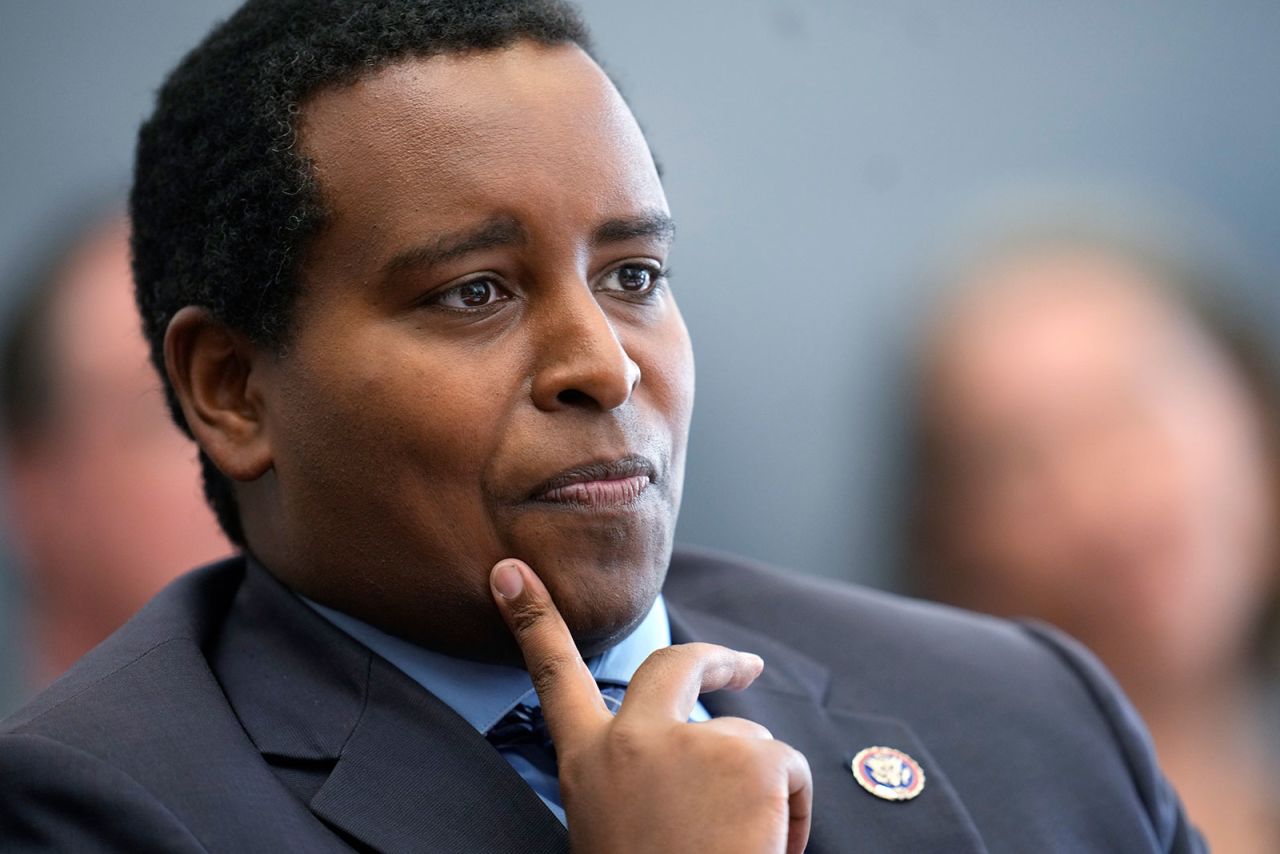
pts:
[648, 780]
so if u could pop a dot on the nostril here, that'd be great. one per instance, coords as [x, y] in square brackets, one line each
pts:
[575, 397]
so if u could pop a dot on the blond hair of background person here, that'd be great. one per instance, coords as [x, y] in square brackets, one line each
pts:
[104, 499]
[1098, 449]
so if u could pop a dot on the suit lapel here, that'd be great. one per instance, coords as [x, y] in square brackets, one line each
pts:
[788, 698]
[414, 776]
[408, 774]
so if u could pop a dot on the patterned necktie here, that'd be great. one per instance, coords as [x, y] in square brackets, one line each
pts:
[523, 730]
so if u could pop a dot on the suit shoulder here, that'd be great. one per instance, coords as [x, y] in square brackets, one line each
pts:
[772, 598]
[56, 796]
[909, 649]
[160, 647]
[115, 755]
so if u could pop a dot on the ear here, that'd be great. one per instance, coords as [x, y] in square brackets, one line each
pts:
[211, 368]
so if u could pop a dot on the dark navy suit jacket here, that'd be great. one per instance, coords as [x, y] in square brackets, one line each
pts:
[229, 717]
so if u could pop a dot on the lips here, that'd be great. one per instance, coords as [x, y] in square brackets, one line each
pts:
[598, 485]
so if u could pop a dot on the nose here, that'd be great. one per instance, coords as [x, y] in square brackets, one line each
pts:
[582, 363]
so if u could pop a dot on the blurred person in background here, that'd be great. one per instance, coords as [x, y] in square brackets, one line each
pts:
[104, 499]
[1098, 449]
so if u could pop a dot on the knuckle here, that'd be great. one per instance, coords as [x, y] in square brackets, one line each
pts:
[625, 743]
[722, 748]
[551, 670]
[801, 761]
[686, 655]
[761, 755]
[689, 739]
[664, 655]
[571, 763]
[798, 757]
[701, 650]
[658, 664]
[783, 755]
[526, 617]
[753, 729]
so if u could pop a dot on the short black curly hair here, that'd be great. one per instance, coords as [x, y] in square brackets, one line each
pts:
[223, 203]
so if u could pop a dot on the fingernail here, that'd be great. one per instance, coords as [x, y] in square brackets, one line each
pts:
[507, 580]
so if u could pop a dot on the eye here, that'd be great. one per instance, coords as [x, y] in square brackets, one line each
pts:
[477, 293]
[633, 279]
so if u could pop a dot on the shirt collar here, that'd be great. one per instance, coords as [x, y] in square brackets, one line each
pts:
[483, 693]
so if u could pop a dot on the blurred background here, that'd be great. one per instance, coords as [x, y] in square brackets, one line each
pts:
[837, 170]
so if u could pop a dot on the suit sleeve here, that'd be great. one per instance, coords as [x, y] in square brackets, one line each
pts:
[1164, 810]
[55, 797]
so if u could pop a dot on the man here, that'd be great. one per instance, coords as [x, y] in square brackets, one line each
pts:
[1094, 414]
[403, 265]
[104, 504]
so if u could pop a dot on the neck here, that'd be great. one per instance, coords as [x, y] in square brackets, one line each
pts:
[1214, 723]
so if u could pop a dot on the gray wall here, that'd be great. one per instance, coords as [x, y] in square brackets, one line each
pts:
[813, 149]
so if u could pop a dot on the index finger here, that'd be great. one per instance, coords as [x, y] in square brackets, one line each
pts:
[571, 701]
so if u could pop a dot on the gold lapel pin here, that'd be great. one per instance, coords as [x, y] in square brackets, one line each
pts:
[888, 773]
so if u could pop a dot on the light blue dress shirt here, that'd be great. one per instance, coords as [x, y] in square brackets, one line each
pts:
[482, 694]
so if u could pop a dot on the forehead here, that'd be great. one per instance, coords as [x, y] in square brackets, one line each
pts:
[1033, 327]
[526, 131]
[95, 324]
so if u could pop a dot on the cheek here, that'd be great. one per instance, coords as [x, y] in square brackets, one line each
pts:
[1004, 548]
[399, 435]
[1230, 500]
[666, 387]
[665, 357]
[1022, 554]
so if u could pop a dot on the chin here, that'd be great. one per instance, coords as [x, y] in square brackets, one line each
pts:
[603, 572]
[602, 604]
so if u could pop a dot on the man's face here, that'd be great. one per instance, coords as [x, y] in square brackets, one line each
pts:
[1103, 466]
[483, 315]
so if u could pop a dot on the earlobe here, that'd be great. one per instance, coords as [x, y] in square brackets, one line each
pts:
[211, 369]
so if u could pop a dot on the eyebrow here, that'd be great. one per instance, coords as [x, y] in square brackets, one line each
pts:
[506, 231]
[654, 224]
[499, 231]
